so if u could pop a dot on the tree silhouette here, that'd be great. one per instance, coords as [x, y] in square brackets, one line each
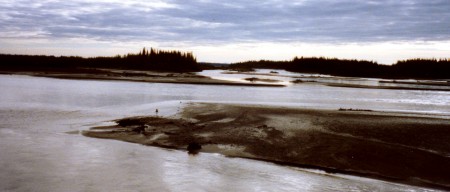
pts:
[157, 60]
[176, 61]
[413, 68]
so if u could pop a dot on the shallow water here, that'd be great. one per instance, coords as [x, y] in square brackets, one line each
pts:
[285, 78]
[318, 95]
[37, 153]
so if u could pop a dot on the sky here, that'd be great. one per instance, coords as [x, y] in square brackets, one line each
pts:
[225, 31]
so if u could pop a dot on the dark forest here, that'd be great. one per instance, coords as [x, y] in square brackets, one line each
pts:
[176, 61]
[413, 68]
[147, 60]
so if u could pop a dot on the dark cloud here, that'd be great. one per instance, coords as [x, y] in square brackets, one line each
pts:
[203, 21]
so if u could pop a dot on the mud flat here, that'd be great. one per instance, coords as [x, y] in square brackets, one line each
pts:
[399, 147]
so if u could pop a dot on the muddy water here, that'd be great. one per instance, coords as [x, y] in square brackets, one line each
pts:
[42, 150]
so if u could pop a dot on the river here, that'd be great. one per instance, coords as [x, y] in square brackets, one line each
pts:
[41, 148]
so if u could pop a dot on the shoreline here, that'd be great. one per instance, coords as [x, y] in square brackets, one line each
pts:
[385, 87]
[309, 79]
[369, 144]
[141, 76]
[194, 79]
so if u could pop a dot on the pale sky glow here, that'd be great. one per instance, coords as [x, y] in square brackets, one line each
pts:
[230, 31]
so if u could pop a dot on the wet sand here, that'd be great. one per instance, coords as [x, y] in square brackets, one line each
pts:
[405, 148]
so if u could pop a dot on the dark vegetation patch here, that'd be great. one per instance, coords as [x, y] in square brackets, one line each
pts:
[146, 60]
[412, 68]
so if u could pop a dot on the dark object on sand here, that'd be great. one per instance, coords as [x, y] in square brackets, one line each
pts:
[193, 148]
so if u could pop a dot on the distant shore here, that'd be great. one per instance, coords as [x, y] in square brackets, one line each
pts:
[139, 76]
[433, 85]
[192, 78]
[388, 87]
[405, 148]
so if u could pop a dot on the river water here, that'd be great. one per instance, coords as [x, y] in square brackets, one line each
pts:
[41, 148]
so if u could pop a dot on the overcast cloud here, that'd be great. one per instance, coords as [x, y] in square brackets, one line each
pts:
[222, 22]
[204, 21]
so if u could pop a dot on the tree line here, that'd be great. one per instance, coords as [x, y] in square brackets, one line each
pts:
[176, 61]
[151, 60]
[412, 68]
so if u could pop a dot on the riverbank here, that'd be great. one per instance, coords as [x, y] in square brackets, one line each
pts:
[444, 88]
[406, 148]
[347, 82]
[138, 76]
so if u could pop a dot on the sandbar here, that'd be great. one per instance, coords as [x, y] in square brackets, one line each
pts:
[399, 147]
[139, 76]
